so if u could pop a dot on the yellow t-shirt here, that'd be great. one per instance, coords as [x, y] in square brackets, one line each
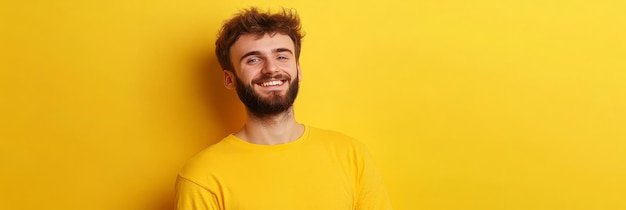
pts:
[320, 170]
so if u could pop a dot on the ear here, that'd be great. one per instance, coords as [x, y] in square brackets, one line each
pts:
[299, 72]
[229, 80]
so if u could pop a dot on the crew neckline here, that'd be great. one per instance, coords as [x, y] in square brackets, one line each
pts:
[232, 139]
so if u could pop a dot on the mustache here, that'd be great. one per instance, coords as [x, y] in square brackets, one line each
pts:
[266, 77]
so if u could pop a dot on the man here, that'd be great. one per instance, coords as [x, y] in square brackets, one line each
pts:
[274, 162]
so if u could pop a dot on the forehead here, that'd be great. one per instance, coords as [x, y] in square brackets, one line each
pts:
[265, 44]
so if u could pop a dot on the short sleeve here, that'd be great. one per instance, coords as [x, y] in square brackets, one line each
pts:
[191, 196]
[372, 193]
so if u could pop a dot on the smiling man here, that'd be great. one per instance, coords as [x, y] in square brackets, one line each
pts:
[274, 162]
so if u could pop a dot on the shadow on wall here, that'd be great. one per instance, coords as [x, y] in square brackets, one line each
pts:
[226, 110]
[223, 112]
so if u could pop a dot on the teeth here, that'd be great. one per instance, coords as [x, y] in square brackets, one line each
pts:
[272, 83]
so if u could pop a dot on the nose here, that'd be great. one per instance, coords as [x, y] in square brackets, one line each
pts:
[270, 67]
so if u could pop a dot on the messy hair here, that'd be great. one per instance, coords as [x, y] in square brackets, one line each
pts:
[251, 21]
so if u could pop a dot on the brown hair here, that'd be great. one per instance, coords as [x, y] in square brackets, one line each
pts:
[251, 21]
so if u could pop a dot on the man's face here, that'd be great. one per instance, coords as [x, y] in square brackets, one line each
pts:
[267, 73]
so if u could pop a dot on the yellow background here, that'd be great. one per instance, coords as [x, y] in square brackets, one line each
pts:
[515, 104]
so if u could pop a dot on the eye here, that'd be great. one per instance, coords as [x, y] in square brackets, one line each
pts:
[253, 60]
[282, 57]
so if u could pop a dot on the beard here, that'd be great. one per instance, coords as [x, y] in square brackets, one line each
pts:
[273, 104]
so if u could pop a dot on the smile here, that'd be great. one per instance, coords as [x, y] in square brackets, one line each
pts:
[272, 83]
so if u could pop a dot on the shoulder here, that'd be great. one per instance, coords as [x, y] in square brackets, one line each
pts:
[209, 159]
[335, 138]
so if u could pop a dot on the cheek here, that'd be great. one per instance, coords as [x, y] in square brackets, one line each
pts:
[248, 73]
[290, 68]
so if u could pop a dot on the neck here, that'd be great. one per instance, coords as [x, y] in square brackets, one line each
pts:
[270, 130]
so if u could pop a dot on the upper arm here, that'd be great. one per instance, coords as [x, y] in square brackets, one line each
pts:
[191, 196]
[372, 193]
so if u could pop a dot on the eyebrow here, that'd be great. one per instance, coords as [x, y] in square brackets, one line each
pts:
[277, 50]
